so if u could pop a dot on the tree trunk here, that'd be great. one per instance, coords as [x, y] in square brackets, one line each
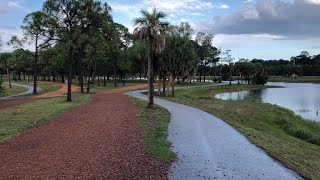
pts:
[80, 77]
[150, 82]
[9, 78]
[115, 73]
[164, 85]
[89, 80]
[230, 78]
[104, 81]
[70, 62]
[98, 80]
[204, 74]
[172, 86]
[220, 74]
[88, 84]
[35, 68]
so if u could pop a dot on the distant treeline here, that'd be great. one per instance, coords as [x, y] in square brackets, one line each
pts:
[301, 65]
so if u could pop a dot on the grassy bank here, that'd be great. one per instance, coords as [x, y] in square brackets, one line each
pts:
[12, 91]
[94, 88]
[154, 123]
[15, 120]
[285, 136]
[299, 79]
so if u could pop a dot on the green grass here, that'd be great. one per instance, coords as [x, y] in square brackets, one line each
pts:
[44, 85]
[154, 124]
[12, 91]
[293, 141]
[299, 79]
[94, 88]
[15, 120]
[195, 84]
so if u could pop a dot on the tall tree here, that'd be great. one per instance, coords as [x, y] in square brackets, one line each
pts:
[206, 52]
[34, 30]
[229, 60]
[151, 29]
[70, 20]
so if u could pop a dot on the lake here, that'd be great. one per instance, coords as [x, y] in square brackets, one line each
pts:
[302, 98]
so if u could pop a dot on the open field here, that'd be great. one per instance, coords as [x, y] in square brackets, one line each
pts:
[15, 120]
[285, 136]
[154, 124]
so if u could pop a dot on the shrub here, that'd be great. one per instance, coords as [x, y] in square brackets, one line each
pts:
[1, 87]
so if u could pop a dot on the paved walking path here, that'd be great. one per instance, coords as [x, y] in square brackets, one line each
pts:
[29, 91]
[209, 148]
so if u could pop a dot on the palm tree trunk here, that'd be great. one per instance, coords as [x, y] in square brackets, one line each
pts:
[150, 83]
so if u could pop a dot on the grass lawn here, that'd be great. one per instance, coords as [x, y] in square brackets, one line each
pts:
[293, 141]
[15, 120]
[196, 84]
[44, 85]
[299, 79]
[94, 88]
[154, 124]
[12, 91]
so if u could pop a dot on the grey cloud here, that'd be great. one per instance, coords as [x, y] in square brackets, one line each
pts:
[293, 19]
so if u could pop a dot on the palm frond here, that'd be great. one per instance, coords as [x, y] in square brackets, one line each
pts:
[140, 21]
[160, 15]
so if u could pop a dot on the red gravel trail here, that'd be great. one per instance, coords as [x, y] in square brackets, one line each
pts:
[99, 140]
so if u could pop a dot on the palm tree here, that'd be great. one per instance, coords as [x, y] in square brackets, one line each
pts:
[151, 29]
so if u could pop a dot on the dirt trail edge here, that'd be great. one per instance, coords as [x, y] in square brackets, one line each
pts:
[99, 140]
[209, 148]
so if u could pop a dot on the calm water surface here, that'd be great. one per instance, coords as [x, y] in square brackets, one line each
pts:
[302, 98]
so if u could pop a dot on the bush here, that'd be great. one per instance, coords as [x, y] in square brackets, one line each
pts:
[260, 79]
[1, 87]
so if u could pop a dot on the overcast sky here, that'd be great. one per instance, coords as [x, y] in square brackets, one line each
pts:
[267, 29]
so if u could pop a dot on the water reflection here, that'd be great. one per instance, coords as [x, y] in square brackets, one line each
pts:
[302, 98]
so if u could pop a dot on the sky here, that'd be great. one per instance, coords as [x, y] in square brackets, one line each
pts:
[263, 29]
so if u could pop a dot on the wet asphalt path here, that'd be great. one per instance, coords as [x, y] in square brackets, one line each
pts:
[29, 91]
[209, 148]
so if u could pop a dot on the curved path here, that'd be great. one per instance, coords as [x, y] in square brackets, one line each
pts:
[29, 91]
[98, 140]
[209, 148]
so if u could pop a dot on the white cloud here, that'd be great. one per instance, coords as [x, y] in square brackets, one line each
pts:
[317, 2]
[179, 6]
[11, 5]
[223, 6]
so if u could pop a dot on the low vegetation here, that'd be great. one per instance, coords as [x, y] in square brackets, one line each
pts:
[17, 119]
[6, 91]
[154, 123]
[299, 79]
[282, 134]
